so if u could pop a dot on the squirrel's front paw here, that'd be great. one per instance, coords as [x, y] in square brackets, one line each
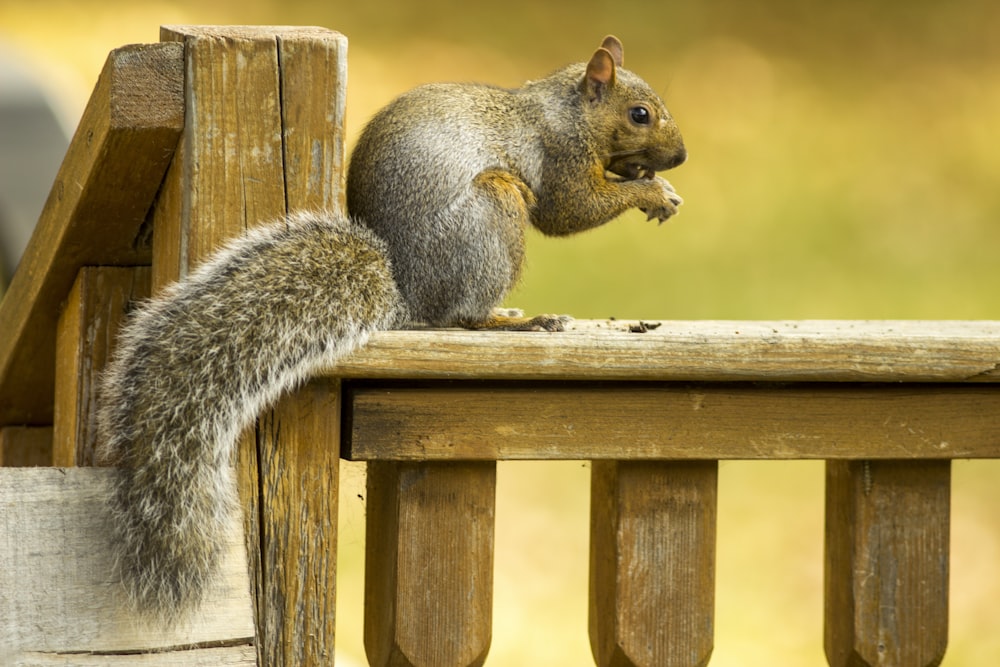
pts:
[669, 201]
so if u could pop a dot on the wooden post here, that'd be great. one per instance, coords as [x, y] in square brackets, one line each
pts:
[263, 135]
[94, 311]
[298, 442]
[652, 563]
[429, 563]
[887, 563]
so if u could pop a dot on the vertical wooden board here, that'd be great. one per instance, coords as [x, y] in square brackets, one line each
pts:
[886, 563]
[313, 108]
[95, 309]
[429, 563]
[255, 146]
[95, 213]
[228, 175]
[24, 446]
[652, 590]
[248, 488]
[299, 444]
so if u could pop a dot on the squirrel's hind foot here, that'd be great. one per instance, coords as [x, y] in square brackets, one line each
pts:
[513, 319]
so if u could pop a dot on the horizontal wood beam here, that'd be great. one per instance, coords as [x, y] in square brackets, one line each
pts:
[94, 214]
[59, 603]
[789, 351]
[629, 421]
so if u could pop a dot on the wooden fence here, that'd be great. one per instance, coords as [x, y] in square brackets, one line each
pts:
[190, 141]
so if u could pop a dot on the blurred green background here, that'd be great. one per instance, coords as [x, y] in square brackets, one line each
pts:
[844, 163]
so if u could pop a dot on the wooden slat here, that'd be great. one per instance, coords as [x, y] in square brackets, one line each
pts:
[429, 564]
[652, 563]
[23, 446]
[313, 108]
[228, 174]
[887, 530]
[833, 351]
[264, 136]
[94, 214]
[56, 598]
[493, 421]
[96, 306]
[299, 471]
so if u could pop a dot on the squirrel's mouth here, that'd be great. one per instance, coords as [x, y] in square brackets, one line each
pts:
[637, 164]
[629, 166]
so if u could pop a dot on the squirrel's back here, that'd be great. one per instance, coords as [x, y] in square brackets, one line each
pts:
[196, 365]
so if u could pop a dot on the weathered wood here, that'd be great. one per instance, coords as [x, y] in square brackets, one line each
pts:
[810, 351]
[313, 114]
[94, 214]
[429, 563]
[228, 172]
[266, 123]
[263, 136]
[493, 421]
[23, 446]
[652, 563]
[886, 575]
[298, 444]
[95, 309]
[57, 601]
[231, 656]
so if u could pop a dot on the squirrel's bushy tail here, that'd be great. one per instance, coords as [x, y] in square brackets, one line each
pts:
[196, 365]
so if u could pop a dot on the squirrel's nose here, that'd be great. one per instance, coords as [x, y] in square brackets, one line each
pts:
[678, 158]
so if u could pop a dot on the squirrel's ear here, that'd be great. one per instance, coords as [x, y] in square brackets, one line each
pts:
[600, 75]
[613, 45]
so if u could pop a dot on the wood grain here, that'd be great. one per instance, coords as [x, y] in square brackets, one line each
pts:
[57, 602]
[299, 470]
[24, 446]
[94, 214]
[886, 575]
[313, 114]
[429, 564]
[87, 328]
[652, 563]
[263, 136]
[494, 421]
[228, 174]
[787, 351]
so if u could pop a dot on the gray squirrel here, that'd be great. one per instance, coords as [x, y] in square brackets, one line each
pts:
[441, 187]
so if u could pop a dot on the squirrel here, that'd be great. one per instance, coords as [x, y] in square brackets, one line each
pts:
[441, 186]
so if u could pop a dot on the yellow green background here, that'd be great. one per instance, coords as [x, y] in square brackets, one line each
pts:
[844, 163]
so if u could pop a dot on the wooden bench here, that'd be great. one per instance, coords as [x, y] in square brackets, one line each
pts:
[190, 141]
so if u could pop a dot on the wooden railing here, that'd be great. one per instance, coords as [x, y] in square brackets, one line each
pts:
[187, 142]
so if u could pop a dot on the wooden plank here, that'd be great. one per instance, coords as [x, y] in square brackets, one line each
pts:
[790, 351]
[96, 307]
[652, 563]
[56, 600]
[24, 446]
[494, 421]
[94, 214]
[313, 115]
[429, 563]
[886, 575]
[228, 174]
[299, 471]
[264, 135]
[234, 656]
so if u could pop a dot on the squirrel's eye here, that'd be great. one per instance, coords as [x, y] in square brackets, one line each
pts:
[640, 115]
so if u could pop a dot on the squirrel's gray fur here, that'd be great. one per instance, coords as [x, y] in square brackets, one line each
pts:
[441, 186]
